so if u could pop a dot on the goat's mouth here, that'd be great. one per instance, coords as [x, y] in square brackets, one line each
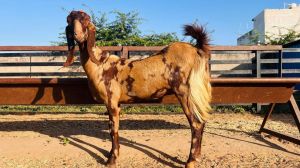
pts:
[79, 39]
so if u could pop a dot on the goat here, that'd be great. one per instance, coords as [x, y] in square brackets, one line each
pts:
[180, 68]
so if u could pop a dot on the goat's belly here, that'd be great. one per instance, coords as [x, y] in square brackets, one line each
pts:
[137, 96]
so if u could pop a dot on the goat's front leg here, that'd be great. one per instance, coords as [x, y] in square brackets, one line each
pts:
[114, 118]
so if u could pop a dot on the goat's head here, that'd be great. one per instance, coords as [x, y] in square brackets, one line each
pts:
[81, 25]
[82, 30]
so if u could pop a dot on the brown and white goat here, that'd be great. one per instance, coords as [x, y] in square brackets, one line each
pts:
[180, 68]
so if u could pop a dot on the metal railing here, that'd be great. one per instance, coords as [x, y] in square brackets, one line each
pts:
[226, 61]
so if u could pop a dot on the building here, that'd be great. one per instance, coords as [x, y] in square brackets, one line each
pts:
[272, 23]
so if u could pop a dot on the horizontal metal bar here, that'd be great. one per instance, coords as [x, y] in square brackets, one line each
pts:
[230, 61]
[279, 135]
[269, 71]
[245, 48]
[232, 72]
[291, 71]
[255, 80]
[144, 48]
[37, 64]
[51, 48]
[35, 54]
[269, 61]
[219, 52]
[139, 48]
[291, 60]
[291, 50]
[43, 74]
[84, 80]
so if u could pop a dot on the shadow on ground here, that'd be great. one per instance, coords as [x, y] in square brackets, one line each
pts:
[98, 129]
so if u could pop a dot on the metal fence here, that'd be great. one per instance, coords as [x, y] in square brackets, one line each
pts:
[226, 61]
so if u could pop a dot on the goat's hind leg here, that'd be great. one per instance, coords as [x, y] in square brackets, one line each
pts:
[196, 127]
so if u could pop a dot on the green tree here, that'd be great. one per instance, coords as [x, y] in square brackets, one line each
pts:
[124, 30]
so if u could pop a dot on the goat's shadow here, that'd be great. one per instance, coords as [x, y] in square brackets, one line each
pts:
[69, 128]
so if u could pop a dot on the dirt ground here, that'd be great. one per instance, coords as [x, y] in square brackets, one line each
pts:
[82, 140]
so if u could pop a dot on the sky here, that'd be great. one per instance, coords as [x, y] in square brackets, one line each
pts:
[39, 22]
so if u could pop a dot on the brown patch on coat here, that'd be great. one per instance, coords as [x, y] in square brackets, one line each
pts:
[122, 61]
[107, 76]
[129, 81]
[162, 52]
[197, 133]
[130, 65]
[152, 75]
[176, 78]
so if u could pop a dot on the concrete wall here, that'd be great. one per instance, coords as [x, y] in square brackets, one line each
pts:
[273, 22]
[277, 21]
[259, 26]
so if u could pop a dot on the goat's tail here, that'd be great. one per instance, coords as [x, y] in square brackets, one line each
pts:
[199, 33]
[199, 80]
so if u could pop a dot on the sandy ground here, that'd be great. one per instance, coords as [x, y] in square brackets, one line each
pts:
[82, 140]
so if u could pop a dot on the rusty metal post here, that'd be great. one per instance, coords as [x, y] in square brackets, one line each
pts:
[267, 116]
[280, 63]
[30, 66]
[258, 74]
[124, 52]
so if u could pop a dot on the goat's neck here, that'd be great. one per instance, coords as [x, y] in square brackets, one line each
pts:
[89, 67]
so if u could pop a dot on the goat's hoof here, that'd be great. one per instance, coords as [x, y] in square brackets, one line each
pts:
[190, 164]
[111, 162]
[111, 165]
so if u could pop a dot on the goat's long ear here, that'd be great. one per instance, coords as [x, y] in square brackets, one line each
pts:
[91, 42]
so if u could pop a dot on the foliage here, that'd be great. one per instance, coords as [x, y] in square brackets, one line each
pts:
[124, 30]
[99, 109]
[64, 141]
[282, 38]
[235, 109]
